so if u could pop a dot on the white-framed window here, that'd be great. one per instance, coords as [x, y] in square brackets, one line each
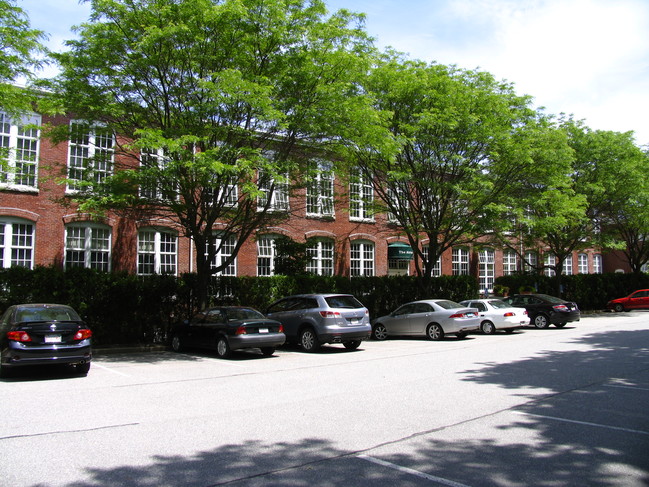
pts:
[361, 197]
[275, 190]
[19, 146]
[396, 200]
[487, 269]
[153, 158]
[597, 264]
[582, 263]
[549, 260]
[157, 252]
[398, 267]
[266, 254]
[90, 156]
[460, 261]
[362, 258]
[644, 268]
[567, 266]
[87, 245]
[320, 191]
[437, 267]
[227, 245]
[16, 243]
[510, 262]
[321, 256]
[226, 195]
[531, 261]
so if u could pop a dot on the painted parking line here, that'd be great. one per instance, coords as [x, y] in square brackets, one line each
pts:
[634, 388]
[410, 471]
[103, 367]
[586, 423]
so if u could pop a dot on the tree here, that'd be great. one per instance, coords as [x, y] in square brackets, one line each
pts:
[227, 98]
[20, 55]
[461, 144]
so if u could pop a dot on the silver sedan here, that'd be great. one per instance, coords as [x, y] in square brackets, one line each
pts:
[433, 318]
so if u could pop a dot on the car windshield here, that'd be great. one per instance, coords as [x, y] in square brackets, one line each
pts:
[497, 303]
[239, 314]
[343, 302]
[446, 304]
[51, 313]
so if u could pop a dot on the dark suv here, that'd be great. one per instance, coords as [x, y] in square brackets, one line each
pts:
[545, 310]
[315, 319]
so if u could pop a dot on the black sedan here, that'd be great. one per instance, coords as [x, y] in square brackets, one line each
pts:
[43, 334]
[545, 310]
[228, 328]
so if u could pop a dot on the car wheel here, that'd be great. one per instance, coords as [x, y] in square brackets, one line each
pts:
[176, 343]
[379, 332]
[488, 328]
[82, 369]
[309, 340]
[268, 351]
[223, 347]
[461, 335]
[434, 332]
[352, 345]
[541, 321]
[618, 308]
[5, 372]
[559, 325]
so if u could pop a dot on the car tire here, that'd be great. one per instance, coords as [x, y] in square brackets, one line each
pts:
[176, 343]
[352, 344]
[509, 330]
[618, 308]
[309, 340]
[82, 369]
[5, 372]
[487, 327]
[267, 351]
[379, 332]
[223, 347]
[541, 321]
[559, 325]
[461, 335]
[434, 332]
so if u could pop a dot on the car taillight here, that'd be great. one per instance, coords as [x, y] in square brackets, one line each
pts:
[19, 336]
[330, 314]
[560, 307]
[457, 315]
[510, 314]
[241, 331]
[281, 328]
[83, 334]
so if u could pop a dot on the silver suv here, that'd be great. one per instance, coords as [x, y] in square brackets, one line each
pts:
[315, 319]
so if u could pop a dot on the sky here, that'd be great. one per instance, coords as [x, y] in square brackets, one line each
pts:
[585, 58]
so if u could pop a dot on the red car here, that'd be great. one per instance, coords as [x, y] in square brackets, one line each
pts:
[636, 300]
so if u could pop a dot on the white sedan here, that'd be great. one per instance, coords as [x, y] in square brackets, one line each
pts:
[498, 315]
[433, 318]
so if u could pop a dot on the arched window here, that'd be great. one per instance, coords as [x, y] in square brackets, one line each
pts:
[16, 243]
[321, 256]
[362, 258]
[157, 252]
[87, 245]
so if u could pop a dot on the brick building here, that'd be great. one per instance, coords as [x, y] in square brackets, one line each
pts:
[40, 225]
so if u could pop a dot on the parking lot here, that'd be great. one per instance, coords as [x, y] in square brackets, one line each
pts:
[553, 407]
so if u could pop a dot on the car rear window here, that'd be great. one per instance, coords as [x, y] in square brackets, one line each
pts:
[47, 314]
[343, 302]
[497, 303]
[446, 304]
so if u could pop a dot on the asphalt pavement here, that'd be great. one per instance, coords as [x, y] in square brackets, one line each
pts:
[554, 407]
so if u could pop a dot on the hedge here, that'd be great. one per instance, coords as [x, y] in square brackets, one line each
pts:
[124, 309]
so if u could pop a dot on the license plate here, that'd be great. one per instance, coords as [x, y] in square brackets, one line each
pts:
[53, 339]
[263, 330]
[354, 321]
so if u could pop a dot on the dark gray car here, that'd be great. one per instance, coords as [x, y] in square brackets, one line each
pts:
[312, 320]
